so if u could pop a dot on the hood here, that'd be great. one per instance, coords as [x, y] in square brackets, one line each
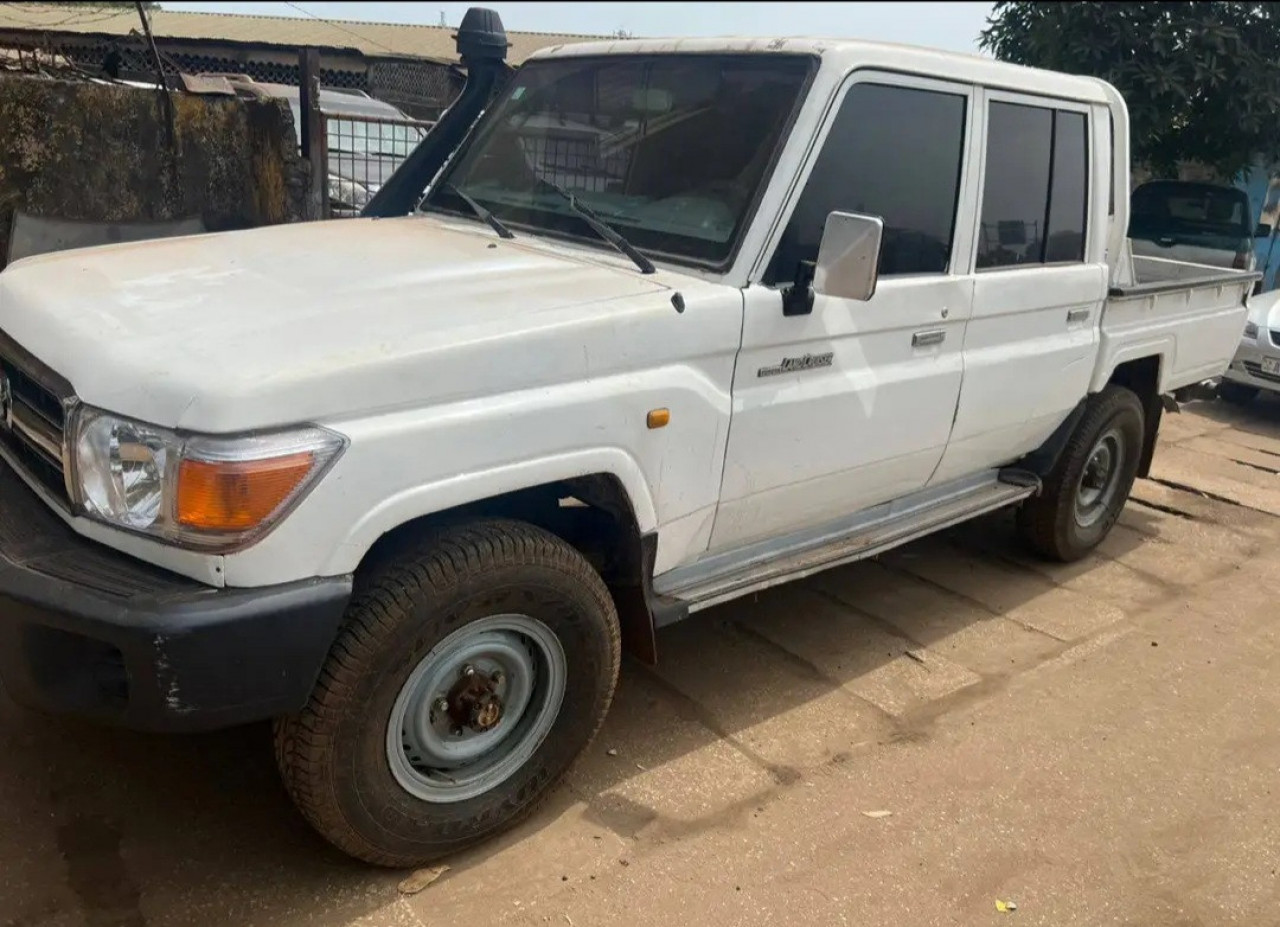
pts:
[308, 322]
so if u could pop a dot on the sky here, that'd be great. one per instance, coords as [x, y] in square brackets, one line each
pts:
[950, 26]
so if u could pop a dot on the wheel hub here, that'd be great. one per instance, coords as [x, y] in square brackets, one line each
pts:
[1100, 479]
[475, 708]
[473, 702]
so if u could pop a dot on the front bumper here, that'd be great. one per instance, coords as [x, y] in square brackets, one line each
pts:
[1246, 366]
[85, 630]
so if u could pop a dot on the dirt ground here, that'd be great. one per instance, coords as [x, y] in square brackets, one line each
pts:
[1096, 743]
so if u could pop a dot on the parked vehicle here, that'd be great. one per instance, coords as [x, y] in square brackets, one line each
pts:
[1256, 365]
[1201, 223]
[408, 485]
[363, 149]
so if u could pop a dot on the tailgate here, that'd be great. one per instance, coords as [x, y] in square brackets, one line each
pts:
[1192, 315]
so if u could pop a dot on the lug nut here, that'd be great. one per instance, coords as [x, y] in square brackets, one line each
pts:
[497, 677]
[468, 671]
[442, 705]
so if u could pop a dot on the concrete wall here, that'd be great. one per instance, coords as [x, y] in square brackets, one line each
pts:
[105, 153]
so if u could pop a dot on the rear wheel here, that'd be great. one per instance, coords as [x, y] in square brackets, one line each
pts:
[1237, 393]
[1086, 491]
[468, 676]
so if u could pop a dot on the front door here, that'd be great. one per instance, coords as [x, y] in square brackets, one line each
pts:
[851, 404]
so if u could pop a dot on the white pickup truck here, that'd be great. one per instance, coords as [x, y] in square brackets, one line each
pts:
[676, 322]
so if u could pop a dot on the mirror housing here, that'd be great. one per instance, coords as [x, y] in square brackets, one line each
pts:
[1262, 231]
[849, 256]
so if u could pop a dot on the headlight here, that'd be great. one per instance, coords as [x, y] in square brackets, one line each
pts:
[344, 192]
[200, 491]
[1251, 331]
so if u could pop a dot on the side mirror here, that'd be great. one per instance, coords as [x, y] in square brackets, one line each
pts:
[1262, 231]
[849, 256]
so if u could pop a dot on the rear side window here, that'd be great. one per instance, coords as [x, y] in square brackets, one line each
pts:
[893, 152]
[1036, 193]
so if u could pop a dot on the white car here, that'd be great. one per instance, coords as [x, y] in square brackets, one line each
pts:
[366, 138]
[1256, 366]
[409, 485]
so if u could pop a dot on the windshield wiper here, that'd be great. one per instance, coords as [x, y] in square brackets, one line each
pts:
[485, 216]
[604, 231]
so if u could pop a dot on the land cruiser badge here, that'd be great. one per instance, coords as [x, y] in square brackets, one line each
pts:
[797, 364]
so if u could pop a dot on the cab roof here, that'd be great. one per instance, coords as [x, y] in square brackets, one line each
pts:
[846, 55]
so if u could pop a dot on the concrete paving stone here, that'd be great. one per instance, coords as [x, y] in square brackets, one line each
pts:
[857, 652]
[1201, 555]
[669, 766]
[1175, 428]
[951, 627]
[1238, 451]
[1266, 442]
[1007, 590]
[760, 696]
[570, 846]
[1237, 519]
[1110, 580]
[1224, 478]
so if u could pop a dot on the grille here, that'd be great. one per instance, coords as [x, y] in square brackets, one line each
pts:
[1255, 370]
[32, 425]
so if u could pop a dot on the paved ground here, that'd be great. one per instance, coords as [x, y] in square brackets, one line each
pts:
[1097, 743]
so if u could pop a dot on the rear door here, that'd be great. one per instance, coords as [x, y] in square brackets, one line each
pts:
[1040, 277]
[850, 404]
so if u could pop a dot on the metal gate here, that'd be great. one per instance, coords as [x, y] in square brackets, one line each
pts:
[360, 153]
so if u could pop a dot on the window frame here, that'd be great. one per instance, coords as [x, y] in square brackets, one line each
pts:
[963, 242]
[984, 99]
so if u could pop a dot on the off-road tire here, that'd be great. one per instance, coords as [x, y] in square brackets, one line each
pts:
[1047, 522]
[1238, 394]
[332, 755]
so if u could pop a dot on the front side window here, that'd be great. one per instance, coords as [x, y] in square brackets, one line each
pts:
[893, 152]
[1036, 188]
[669, 150]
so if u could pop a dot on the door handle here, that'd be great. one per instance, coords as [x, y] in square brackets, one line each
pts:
[924, 339]
[1077, 315]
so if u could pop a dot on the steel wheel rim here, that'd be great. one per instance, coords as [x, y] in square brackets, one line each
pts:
[1100, 478]
[449, 754]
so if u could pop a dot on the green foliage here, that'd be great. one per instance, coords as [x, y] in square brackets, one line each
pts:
[1201, 79]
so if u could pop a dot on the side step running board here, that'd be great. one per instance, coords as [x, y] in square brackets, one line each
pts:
[878, 530]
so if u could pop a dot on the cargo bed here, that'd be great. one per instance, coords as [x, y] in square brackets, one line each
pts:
[1191, 314]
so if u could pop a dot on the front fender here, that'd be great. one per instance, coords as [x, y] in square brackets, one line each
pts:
[464, 488]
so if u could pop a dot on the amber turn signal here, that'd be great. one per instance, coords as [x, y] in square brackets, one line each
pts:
[237, 495]
[658, 418]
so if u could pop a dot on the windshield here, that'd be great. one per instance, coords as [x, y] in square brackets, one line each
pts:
[668, 150]
[1194, 214]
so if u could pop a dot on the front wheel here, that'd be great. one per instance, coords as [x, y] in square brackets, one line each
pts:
[1088, 487]
[469, 674]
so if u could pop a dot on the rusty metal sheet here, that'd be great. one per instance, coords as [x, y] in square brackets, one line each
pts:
[206, 85]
